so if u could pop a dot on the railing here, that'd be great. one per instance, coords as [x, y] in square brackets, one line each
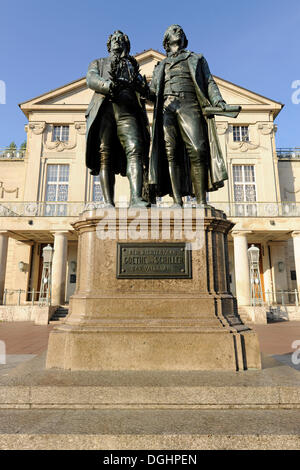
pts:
[43, 209]
[73, 209]
[258, 209]
[16, 293]
[282, 297]
[12, 154]
[288, 153]
[14, 297]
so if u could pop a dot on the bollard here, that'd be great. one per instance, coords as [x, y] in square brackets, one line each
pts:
[296, 298]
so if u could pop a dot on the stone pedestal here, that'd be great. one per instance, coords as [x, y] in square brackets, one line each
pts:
[153, 323]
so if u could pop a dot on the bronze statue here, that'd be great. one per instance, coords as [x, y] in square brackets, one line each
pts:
[117, 127]
[186, 157]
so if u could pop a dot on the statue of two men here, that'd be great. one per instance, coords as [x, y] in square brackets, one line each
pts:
[185, 155]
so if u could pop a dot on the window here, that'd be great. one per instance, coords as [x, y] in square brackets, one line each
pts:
[97, 190]
[57, 188]
[293, 276]
[244, 189]
[60, 133]
[240, 133]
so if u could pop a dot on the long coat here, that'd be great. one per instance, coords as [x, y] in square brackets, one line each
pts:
[208, 95]
[98, 79]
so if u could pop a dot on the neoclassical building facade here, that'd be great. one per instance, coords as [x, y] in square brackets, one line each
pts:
[43, 189]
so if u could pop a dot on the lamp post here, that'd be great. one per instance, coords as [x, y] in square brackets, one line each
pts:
[255, 284]
[46, 281]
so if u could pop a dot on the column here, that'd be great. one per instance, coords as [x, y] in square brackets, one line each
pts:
[34, 152]
[3, 259]
[296, 242]
[59, 266]
[267, 269]
[241, 267]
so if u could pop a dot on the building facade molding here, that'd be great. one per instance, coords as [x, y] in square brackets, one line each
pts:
[4, 190]
[266, 128]
[59, 145]
[222, 127]
[37, 127]
[241, 233]
[80, 127]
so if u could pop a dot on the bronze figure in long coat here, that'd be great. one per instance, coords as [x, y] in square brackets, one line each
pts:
[182, 87]
[117, 135]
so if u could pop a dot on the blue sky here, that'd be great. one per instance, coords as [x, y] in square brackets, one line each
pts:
[47, 44]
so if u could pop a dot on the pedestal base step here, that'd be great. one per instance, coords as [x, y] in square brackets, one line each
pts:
[152, 348]
[149, 429]
[31, 386]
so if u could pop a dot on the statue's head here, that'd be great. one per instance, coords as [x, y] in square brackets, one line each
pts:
[118, 42]
[174, 35]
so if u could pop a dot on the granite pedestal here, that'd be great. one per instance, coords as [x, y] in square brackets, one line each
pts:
[153, 322]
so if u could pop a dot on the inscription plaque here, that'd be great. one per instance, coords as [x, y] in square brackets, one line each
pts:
[153, 261]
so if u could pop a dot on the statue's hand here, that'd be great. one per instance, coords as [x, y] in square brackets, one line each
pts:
[112, 87]
[142, 86]
[222, 104]
[123, 82]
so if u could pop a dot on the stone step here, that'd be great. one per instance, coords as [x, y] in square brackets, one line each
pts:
[31, 386]
[60, 409]
[149, 429]
[244, 315]
[59, 314]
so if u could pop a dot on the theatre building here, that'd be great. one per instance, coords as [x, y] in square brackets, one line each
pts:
[44, 188]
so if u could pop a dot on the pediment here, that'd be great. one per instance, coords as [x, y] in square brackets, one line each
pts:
[147, 61]
[76, 95]
[79, 95]
[235, 94]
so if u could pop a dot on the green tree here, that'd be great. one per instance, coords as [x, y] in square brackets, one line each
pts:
[12, 146]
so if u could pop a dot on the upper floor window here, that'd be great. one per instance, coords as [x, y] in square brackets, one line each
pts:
[240, 133]
[60, 133]
[57, 188]
[244, 183]
[244, 190]
[97, 190]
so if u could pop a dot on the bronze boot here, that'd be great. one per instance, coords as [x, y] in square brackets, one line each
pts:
[107, 190]
[135, 177]
[199, 176]
[174, 171]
